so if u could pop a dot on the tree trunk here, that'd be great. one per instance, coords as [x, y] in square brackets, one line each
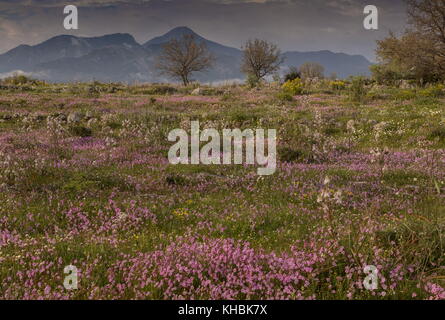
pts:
[185, 80]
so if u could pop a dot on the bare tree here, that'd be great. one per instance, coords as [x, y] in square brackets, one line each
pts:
[260, 58]
[428, 16]
[181, 57]
[310, 70]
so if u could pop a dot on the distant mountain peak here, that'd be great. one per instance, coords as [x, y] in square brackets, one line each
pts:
[175, 33]
[181, 30]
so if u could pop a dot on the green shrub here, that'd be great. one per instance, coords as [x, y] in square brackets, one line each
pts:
[159, 89]
[176, 180]
[20, 79]
[94, 180]
[383, 74]
[81, 131]
[288, 154]
[114, 124]
[437, 133]
[252, 81]
[242, 115]
[358, 90]
[93, 91]
[210, 91]
[293, 74]
[405, 94]
[284, 96]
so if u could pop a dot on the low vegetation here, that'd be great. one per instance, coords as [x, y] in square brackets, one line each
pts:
[85, 181]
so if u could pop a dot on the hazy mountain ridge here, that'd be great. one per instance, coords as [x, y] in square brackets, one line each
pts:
[119, 57]
[27, 57]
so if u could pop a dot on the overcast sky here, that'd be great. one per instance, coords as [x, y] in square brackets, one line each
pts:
[301, 25]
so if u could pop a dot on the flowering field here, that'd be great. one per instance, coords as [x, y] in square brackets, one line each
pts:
[85, 181]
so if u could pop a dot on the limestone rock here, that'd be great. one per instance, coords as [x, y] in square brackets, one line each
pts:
[196, 92]
[75, 117]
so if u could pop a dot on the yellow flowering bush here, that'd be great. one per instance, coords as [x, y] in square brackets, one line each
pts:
[338, 85]
[293, 87]
[433, 91]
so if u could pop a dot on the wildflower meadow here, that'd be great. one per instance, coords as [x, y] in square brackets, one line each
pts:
[85, 181]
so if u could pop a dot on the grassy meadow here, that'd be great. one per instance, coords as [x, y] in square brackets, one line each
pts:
[85, 181]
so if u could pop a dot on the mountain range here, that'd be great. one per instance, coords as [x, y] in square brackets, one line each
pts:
[119, 57]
